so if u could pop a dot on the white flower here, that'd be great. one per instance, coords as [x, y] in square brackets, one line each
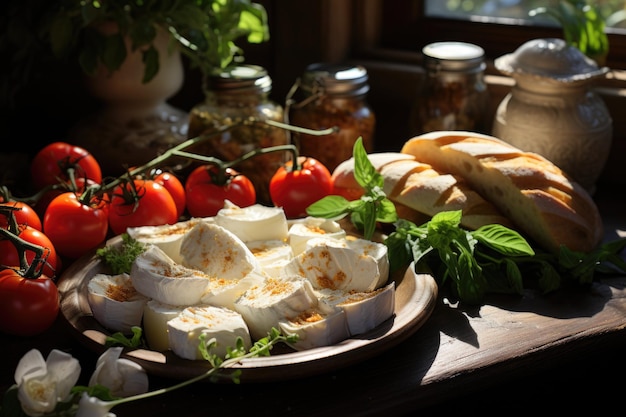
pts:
[122, 377]
[94, 407]
[41, 384]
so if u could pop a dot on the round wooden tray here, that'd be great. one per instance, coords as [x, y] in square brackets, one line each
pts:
[415, 299]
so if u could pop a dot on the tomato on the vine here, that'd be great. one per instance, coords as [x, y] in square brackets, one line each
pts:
[24, 215]
[9, 254]
[28, 306]
[140, 203]
[74, 227]
[206, 195]
[296, 189]
[51, 163]
[175, 187]
[79, 186]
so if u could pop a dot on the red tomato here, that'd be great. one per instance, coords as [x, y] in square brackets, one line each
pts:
[176, 189]
[295, 190]
[9, 255]
[205, 197]
[78, 187]
[153, 206]
[76, 228]
[25, 215]
[28, 306]
[50, 164]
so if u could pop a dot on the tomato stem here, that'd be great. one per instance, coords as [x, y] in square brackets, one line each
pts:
[26, 270]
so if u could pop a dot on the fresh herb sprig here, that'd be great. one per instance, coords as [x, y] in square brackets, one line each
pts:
[491, 259]
[120, 258]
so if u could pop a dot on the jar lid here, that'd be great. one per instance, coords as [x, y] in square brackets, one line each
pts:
[242, 77]
[454, 56]
[550, 58]
[335, 79]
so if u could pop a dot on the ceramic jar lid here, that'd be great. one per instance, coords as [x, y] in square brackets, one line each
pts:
[550, 58]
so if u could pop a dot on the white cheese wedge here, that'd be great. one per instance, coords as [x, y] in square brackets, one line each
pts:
[224, 292]
[264, 306]
[115, 302]
[335, 266]
[364, 247]
[316, 328]
[311, 227]
[155, 318]
[364, 310]
[217, 252]
[272, 255]
[157, 276]
[168, 236]
[221, 324]
[255, 222]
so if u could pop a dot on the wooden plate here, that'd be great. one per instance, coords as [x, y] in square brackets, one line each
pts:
[414, 302]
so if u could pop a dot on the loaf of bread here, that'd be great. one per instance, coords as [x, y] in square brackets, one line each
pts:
[418, 191]
[539, 198]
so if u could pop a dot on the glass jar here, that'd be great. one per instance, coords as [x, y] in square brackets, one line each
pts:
[232, 97]
[327, 96]
[454, 95]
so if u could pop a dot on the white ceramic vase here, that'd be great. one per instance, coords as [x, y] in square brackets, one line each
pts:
[135, 122]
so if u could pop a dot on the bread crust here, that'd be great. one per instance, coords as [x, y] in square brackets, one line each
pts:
[416, 187]
[539, 198]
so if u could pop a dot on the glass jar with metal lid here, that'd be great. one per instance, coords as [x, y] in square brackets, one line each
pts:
[327, 96]
[232, 97]
[454, 94]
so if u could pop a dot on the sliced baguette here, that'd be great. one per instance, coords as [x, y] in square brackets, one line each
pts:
[535, 194]
[419, 191]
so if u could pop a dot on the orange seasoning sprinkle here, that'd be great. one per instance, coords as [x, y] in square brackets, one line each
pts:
[120, 292]
[307, 317]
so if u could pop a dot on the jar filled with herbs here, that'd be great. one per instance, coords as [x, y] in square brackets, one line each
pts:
[454, 94]
[331, 96]
[233, 97]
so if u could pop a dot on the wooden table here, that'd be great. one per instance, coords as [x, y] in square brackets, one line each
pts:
[558, 352]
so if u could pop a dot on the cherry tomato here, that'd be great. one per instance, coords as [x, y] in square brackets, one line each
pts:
[153, 206]
[79, 186]
[50, 164]
[205, 197]
[9, 255]
[295, 190]
[25, 215]
[176, 189]
[76, 228]
[28, 306]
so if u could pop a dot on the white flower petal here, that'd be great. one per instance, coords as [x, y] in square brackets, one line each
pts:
[32, 364]
[65, 369]
[121, 376]
[93, 407]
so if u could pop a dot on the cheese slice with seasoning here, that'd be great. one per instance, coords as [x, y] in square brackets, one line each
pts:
[222, 324]
[157, 276]
[272, 255]
[168, 237]
[316, 328]
[264, 306]
[311, 227]
[334, 265]
[155, 318]
[115, 302]
[255, 222]
[364, 310]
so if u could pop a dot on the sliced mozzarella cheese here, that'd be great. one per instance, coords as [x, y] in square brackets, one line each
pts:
[310, 227]
[115, 302]
[217, 252]
[255, 222]
[168, 236]
[155, 318]
[272, 255]
[333, 265]
[264, 306]
[364, 310]
[224, 292]
[157, 276]
[316, 328]
[221, 324]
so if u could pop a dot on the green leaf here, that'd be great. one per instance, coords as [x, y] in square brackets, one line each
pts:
[150, 59]
[503, 240]
[329, 207]
[114, 53]
[364, 172]
[120, 339]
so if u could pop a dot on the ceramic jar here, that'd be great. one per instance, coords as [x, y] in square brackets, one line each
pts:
[553, 109]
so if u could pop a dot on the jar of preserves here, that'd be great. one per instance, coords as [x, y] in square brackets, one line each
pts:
[236, 96]
[327, 96]
[454, 94]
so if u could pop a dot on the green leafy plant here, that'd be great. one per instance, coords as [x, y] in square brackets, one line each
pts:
[34, 32]
[583, 26]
